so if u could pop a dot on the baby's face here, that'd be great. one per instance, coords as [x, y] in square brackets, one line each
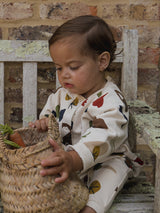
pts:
[77, 72]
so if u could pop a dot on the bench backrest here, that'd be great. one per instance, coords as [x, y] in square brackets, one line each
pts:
[32, 52]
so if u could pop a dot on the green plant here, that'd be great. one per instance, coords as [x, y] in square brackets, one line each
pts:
[7, 130]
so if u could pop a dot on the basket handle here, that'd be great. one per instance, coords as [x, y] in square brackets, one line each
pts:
[53, 129]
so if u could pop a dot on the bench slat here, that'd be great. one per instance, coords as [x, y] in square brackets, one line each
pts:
[132, 208]
[133, 203]
[25, 50]
[1, 93]
[29, 92]
[20, 50]
[130, 63]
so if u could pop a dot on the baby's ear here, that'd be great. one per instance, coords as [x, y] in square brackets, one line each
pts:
[104, 59]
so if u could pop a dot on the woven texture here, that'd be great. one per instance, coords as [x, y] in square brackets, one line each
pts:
[21, 185]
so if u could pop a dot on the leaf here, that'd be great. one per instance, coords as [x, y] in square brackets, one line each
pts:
[5, 129]
[11, 143]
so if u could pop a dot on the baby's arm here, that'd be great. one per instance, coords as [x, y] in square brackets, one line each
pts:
[41, 124]
[61, 163]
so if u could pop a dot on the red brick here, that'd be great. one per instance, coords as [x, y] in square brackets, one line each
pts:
[137, 11]
[93, 10]
[16, 114]
[65, 11]
[148, 34]
[117, 32]
[148, 84]
[145, 11]
[152, 11]
[13, 95]
[43, 95]
[47, 73]
[13, 74]
[149, 55]
[148, 94]
[41, 32]
[46, 82]
[15, 11]
[148, 76]
[117, 11]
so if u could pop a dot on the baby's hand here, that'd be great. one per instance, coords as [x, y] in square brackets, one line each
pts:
[59, 163]
[41, 124]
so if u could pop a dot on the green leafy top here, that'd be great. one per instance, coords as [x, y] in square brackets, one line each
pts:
[5, 129]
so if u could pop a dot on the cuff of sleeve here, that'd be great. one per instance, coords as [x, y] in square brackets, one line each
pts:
[85, 155]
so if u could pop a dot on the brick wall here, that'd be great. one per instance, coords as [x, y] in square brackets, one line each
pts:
[38, 19]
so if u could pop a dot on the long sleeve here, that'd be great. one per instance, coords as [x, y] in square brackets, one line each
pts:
[107, 119]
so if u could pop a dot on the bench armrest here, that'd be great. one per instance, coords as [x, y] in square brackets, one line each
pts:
[145, 121]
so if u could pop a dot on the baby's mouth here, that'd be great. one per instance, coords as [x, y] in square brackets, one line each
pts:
[67, 85]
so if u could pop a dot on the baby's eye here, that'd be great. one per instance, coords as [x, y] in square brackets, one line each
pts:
[74, 68]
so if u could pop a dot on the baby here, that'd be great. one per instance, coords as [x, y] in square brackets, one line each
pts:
[91, 111]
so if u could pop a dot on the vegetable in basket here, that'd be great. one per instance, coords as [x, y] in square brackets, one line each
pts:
[14, 138]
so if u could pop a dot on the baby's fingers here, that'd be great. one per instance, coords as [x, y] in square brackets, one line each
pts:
[31, 124]
[55, 145]
[62, 177]
[50, 171]
[41, 125]
[52, 161]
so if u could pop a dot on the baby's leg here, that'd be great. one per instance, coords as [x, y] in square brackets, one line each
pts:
[107, 181]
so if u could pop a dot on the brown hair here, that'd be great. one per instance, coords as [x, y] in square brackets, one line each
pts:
[97, 34]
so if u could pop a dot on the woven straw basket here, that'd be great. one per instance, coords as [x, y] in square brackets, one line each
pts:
[22, 187]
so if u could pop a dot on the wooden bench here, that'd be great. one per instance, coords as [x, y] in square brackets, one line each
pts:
[32, 52]
[144, 125]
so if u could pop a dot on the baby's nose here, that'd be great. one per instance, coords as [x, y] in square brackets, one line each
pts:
[65, 73]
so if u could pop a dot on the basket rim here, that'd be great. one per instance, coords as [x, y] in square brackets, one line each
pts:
[53, 132]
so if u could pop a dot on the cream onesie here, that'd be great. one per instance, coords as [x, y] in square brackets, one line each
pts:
[97, 129]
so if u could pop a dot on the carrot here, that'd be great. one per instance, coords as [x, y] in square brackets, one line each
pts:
[16, 138]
